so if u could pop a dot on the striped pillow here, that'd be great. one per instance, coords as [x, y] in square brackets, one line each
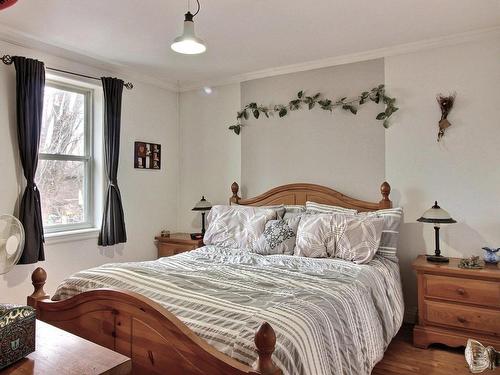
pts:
[390, 233]
[292, 210]
[279, 208]
[318, 208]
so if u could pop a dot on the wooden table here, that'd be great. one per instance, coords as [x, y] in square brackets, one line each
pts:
[62, 353]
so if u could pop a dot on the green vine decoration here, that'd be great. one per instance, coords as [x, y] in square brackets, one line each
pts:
[376, 94]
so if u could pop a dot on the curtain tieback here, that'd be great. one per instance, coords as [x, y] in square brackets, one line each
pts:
[31, 185]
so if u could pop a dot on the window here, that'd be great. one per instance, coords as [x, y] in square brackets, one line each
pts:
[64, 173]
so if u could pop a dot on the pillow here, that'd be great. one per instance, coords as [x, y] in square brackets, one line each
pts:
[293, 210]
[279, 208]
[357, 238]
[278, 237]
[314, 208]
[236, 226]
[390, 232]
[315, 236]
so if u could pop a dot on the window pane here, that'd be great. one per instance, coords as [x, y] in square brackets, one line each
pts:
[62, 190]
[63, 122]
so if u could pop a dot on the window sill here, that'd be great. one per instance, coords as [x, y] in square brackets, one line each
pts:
[71, 235]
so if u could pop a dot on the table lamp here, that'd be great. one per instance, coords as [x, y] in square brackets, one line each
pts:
[437, 216]
[203, 205]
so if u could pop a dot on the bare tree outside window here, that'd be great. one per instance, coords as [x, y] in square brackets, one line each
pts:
[63, 174]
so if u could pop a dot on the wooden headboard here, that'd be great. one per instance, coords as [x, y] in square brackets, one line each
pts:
[300, 193]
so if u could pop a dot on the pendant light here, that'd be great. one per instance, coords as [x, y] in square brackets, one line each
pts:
[188, 43]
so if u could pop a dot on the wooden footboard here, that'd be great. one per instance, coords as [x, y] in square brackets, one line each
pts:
[155, 340]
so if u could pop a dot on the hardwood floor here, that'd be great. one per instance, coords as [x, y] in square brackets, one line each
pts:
[403, 358]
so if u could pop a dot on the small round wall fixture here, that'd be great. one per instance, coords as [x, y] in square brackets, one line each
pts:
[6, 3]
[188, 43]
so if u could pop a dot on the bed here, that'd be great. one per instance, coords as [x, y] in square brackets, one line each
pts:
[228, 311]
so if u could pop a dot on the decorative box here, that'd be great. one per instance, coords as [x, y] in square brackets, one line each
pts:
[17, 333]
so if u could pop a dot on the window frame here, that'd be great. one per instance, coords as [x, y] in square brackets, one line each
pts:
[87, 158]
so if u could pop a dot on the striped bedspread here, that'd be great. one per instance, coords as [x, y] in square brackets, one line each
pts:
[330, 316]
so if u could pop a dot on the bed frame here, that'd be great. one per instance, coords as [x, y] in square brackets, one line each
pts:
[155, 339]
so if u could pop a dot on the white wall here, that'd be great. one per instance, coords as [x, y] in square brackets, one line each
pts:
[340, 150]
[462, 171]
[150, 197]
[210, 156]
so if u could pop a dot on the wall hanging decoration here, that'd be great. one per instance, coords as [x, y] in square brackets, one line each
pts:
[351, 105]
[147, 155]
[445, 104]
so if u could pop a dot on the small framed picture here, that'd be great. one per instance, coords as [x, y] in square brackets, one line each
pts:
[147, 155]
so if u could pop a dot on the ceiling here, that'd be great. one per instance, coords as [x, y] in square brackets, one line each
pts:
[242, 35]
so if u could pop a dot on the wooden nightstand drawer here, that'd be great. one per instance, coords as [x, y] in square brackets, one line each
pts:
[177, 243]
[478, 292]
[169, 249]
[467, 317]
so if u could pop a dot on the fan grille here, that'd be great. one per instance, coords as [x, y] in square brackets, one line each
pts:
[11, 242]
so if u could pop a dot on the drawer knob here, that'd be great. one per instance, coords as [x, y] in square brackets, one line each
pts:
[461, 291]
[461, 319]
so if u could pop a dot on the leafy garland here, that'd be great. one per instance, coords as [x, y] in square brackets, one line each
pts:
[376, 94]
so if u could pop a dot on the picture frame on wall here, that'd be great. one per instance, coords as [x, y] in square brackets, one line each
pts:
[147, 155]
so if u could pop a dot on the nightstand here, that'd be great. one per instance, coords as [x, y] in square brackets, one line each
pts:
[455, 304]
[177, 243]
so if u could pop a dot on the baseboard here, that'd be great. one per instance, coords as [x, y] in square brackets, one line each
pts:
[410, 315]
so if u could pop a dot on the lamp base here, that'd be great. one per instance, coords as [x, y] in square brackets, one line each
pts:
[196, 236]
[437, 259]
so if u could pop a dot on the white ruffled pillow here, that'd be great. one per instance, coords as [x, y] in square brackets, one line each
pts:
[236, 226]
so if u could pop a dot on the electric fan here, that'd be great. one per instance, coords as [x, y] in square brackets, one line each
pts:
[11, 242]
[17, 328]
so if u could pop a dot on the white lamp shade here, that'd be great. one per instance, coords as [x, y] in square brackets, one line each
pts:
[188, 43]
[202, 205]
[436, 214]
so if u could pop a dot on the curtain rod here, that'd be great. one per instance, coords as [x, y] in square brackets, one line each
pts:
[7, 60]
